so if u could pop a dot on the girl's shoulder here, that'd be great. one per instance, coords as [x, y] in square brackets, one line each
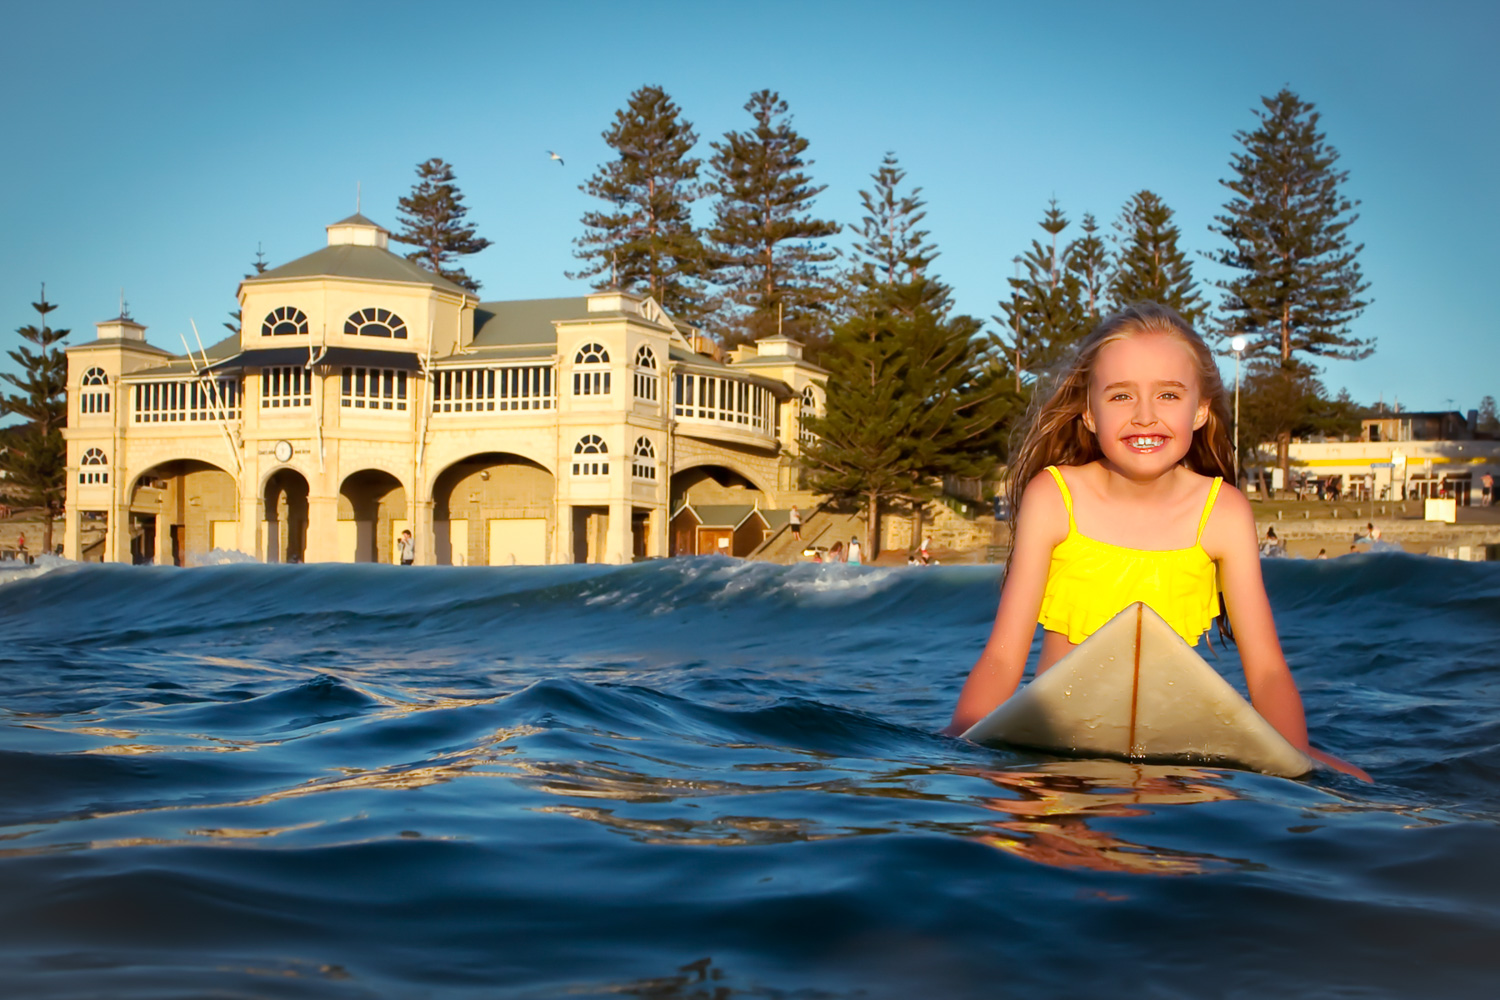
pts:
[1043, 513]
[1070, 473]
[1231, 523]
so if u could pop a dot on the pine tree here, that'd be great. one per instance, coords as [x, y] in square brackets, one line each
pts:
[891, 248]
[1088, 259]
[646, 241]
[765, 245]
[912, 392]
[911, 397]
[1277, 399]
[1047, 311]
[432, 219]
[35, 461]
[260, 268]
[1150, 267]
[1488, 419]
[1299, 284]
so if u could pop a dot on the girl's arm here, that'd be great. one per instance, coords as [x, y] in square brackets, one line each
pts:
[994, 678]
[1231, 540]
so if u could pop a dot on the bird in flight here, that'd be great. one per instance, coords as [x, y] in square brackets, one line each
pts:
[554, 156]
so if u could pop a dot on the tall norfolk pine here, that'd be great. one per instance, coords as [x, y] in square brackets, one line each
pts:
[1150, 266]
[1299, 284]
[890, 247]
[35, 461]
[765, 246]
[913, 394]
[432, 219]
[1048, 309]
[645, 240]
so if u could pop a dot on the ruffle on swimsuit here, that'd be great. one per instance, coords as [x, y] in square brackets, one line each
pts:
[1089, 581]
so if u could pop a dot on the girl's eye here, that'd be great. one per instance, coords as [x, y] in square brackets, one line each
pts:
[1169, 395]
[1119, 396]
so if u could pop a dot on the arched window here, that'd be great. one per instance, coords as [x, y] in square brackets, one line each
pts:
[97, 399]
[586, 456]
[591, 354]
[809, 409]
[643, 464]
[375, 323]
[646, 379]
[89, 471]
[284, 321]
[593, 379]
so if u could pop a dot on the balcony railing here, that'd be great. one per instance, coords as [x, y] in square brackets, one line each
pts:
[510, 388]
[185, 401]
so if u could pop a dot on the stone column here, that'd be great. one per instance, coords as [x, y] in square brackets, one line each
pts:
[72, 529]
[117, 536]
[422, 533]
[617, 540]
[562, 545]
[252, 513]
[322, 529]
[659, 539]
[163, 554]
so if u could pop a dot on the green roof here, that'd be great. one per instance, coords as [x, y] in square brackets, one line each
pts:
[348, 261]
[724, 515]
[527, 322]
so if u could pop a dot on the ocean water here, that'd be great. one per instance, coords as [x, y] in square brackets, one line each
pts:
[705, 779]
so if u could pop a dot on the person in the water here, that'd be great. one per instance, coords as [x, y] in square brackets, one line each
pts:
[1119, 495]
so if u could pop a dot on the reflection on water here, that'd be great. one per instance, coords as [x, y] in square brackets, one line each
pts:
[697, 980]
[1058, 811]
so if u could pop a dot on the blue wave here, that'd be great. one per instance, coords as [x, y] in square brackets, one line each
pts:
[705, 778]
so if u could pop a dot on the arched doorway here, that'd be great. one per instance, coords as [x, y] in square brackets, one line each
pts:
[284, 538]
[724, 516]
[372, 512]
[493, 509]
[179, 511]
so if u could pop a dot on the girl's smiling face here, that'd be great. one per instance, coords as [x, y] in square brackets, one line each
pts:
[1145, 404]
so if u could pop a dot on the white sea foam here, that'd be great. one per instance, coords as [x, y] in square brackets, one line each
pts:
[224, 557]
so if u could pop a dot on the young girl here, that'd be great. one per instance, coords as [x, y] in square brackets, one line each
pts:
[1119, 494]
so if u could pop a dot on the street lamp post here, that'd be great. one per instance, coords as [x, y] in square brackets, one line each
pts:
[1015, 322]
[1238, 345]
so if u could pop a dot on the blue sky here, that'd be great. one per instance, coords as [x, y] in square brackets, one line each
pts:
[152, 146]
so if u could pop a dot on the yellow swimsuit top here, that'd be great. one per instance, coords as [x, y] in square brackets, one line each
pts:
[1089, 581]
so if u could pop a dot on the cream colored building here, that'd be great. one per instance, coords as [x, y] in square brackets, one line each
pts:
[1393, 469]
[366, 395]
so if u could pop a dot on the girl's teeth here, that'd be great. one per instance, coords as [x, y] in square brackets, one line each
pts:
[1146, 442]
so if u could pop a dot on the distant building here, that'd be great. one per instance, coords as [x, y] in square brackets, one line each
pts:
[1403, 454]
[366, 395]
[1448, 425]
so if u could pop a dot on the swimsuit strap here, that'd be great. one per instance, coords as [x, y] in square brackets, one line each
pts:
[1208, 508]
[1067, 497]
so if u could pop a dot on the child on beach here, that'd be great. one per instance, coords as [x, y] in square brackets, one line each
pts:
[1119, 496]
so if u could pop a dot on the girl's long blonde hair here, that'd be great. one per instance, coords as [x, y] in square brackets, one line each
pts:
[1054, 430]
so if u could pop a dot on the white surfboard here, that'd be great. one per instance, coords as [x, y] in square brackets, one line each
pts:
[1134, 690]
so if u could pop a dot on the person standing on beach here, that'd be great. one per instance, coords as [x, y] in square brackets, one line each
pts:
[1486, 489]
[855, 556]
[406, 548]
[796, 521]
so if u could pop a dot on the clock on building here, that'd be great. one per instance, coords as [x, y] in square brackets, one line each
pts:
[283, 451]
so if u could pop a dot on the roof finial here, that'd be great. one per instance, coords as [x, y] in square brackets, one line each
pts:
[124, 306]
[614, 277]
